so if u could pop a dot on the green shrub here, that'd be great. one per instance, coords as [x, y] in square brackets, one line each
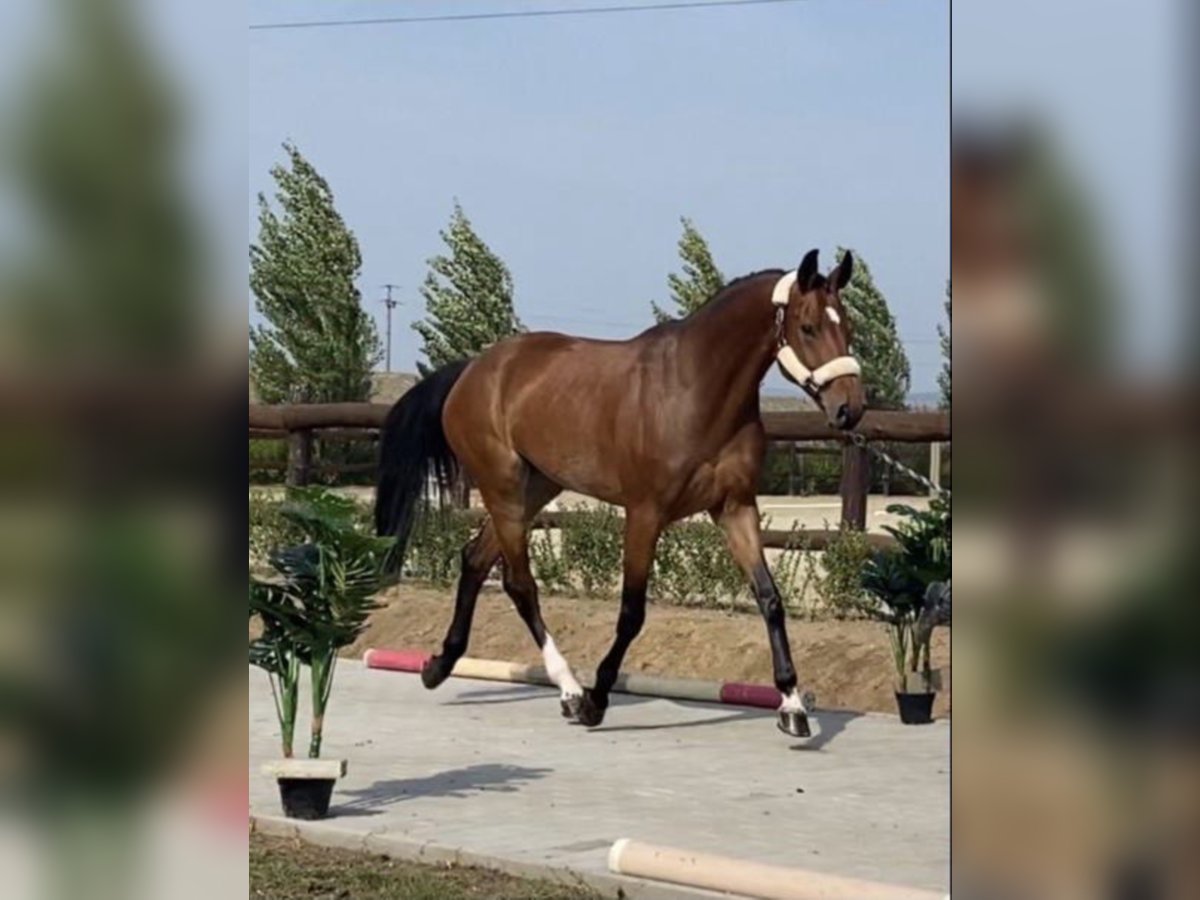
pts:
[315, 601]
[267, 452]
[777, 471]
[897, 582]
[592, 542]
[819, 474]
[269, 528]
[788, 567]
[693, 566]
[550, 567]
[435, 545]
[836, 579]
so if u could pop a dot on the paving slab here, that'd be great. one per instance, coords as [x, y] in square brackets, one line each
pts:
[491, 772]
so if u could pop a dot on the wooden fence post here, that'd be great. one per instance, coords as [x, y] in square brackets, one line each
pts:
[300, 454]
[935, 466]
[856, 482]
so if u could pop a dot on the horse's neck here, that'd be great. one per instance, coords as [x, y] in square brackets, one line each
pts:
[731, 344]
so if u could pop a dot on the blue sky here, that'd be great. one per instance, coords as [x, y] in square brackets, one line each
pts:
[575, 144]
[1109, 81]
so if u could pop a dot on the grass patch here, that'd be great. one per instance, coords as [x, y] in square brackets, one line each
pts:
[287, 869]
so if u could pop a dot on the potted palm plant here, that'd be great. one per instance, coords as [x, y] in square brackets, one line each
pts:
[315, 601]
[908, 589]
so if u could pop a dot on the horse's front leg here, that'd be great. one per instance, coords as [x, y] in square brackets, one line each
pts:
[642, 528]
[739, 519]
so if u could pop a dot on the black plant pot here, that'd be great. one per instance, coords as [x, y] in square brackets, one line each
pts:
[915, 709]
[305, 798]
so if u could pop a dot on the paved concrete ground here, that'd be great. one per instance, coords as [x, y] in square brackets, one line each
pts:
[493, 770]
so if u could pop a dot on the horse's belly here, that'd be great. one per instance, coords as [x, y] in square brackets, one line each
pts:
[577, 468]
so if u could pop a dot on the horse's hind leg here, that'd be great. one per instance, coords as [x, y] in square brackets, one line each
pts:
[642, 529]
[512, 513]
[478, 557]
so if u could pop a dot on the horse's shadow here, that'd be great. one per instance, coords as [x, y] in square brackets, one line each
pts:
[491, 696]
[830, 724]
[725, 714]
[459, 784]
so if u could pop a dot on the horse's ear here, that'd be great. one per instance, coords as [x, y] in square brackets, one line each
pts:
[845, 270]
[807, 271]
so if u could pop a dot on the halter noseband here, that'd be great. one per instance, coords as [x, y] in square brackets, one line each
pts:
[812, 380]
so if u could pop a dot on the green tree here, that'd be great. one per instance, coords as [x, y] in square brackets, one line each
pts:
[700, 280]
[318, 344]
[468, 298]
[874, 341]
[1072, 264]
[944, 340]
[101, 262]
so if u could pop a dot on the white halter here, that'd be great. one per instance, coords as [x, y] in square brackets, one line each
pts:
[813, 379]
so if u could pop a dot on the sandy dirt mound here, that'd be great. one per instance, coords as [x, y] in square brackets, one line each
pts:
[847, 664]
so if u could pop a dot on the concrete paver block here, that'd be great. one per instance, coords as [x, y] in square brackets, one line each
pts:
[497, 776]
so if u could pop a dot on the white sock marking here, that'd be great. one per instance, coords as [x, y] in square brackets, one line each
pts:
[793, 702]
[559, 670]
[833, 315]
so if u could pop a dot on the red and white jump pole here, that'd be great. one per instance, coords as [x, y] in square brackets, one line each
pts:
[728, 692]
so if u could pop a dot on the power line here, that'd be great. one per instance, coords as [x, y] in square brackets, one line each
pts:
[513, 14]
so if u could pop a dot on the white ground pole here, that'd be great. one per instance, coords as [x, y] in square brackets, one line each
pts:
[751, 879]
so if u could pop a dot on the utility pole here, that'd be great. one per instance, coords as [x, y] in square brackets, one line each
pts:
[390, 304]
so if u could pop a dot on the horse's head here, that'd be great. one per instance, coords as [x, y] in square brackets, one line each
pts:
[814, 339]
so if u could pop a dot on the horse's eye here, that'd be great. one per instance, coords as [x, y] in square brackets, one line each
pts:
[808, 330]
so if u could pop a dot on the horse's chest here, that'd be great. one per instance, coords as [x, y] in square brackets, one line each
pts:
[705, 489]
[732, 470]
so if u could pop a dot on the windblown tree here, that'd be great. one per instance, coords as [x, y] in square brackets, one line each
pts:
[101, 262]
[699, 280]
[101, 300]
[318, 344]
[944, 341]
[468, 298]
[885, 370]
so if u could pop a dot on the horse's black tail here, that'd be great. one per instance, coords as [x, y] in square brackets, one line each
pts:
[412, 447]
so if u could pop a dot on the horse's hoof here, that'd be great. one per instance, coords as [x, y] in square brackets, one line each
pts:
[434, 672]
[571, 706]
[794, 724]
[589, 714]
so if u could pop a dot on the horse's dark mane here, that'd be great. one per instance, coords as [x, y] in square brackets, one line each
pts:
[737, 281]
[731, 288]
[719, 298]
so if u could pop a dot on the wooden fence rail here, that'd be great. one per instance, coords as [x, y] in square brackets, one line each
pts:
[300, 424]
[876, 425]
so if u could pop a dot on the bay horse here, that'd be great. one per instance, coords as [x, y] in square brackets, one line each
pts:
[665, 424]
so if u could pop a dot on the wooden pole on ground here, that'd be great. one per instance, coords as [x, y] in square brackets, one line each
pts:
[745, 878]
